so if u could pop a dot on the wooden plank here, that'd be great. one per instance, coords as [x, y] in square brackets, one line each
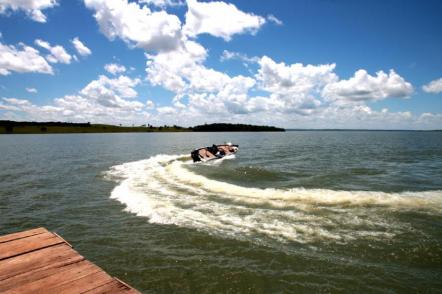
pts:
[64, 275]
[113, 287]
[53, 256]
[38, 261]
[28, 244]
[20, 235]
[37, 274]
[82, 285]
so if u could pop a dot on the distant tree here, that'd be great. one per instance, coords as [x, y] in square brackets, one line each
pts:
[43, 129]
[9, 129]
[225, 127]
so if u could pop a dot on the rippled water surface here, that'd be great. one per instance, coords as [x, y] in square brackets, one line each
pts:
[312, 211]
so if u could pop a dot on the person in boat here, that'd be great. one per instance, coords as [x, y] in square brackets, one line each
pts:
[213, 152]
[216, 151]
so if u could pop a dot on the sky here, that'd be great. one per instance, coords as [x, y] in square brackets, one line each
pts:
[289, 63]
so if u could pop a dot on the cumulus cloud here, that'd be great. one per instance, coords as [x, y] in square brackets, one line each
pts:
[301, 95]
[433, 87]
[294, 91]
[173, 69]
[293, 88]
[114, 68]
[22, 59]
[136, 24]
[80, 47]
[33, 8]
[57, 52]
[219, 19]
[364, 87]
[167, 110]
[102, 100]
[17, 102]
[295, 78]
[31, 90]
[108, 91]
[180, 68]
[183, 72]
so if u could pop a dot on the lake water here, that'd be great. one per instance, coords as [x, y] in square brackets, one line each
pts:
[293, 211]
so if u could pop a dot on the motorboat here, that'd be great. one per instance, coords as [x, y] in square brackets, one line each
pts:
[213, 152]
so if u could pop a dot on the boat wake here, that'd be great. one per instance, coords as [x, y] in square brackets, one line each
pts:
[165, 191]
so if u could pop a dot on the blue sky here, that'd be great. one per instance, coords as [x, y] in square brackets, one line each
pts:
[296, 64]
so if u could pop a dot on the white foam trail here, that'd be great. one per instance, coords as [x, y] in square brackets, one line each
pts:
[165, 191]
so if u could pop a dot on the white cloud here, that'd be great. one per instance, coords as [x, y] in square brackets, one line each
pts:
[163, 3]
[17, 102]
[173, 69]
[182, 71]
[57, 52]
[114, 68]
[150, 104]
[8, 107]
[364, 87]
[136, 24]
[80, 47]
[33, 8]
[430, 120]
[433, 87]
[219, 19]
[274, 19]
[31, 90]
[110, 91]
[22, 59]
[166, 110]
[229, 55]
[292, 95]
[102, 100]
[42, 44]
[293, 88]
[295, 78]
[361, 116]
[208, 91]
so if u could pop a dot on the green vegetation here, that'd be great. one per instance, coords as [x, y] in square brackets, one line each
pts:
[14, 127]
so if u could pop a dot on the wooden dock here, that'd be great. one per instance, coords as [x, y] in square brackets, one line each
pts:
[38, 261]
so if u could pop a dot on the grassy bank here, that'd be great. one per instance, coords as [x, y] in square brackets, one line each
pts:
[9, 127]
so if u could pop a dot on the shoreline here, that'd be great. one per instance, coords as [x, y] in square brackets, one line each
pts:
[14, 127]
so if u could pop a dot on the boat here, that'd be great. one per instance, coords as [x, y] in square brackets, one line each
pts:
[213, 152]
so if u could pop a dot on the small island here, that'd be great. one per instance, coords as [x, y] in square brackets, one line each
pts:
[223, 127]
[23, 127]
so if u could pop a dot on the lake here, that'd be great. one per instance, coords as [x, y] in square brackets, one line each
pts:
[295, 211]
